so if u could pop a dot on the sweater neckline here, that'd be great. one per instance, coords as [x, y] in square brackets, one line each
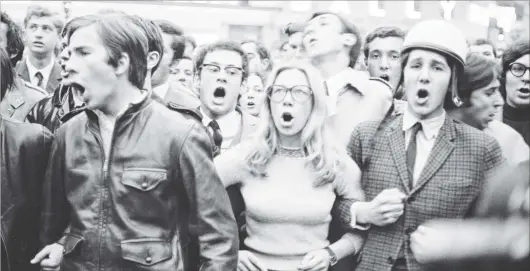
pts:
[516, 114]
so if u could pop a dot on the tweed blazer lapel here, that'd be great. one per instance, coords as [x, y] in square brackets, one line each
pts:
[397, 148]
[443, 146]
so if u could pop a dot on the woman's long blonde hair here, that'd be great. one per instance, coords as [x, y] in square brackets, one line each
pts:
[317, 143]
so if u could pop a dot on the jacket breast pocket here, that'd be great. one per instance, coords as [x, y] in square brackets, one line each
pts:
[148, 254]
[145, 194]
[143, 179]
[456, 197]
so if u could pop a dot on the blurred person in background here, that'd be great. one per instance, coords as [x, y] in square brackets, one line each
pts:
[181, 72]
[290, 174]
[333, 45]
[485, 48]
[11, 38]
[382, 54]
[286, 51]
[42, 30]
[24, 151]
[163, 89]
[515, 87]
[259, 59]
[52, 111]
[20, 96]
[295, 34]
[422, 164]
[479, 90]
[254, 95]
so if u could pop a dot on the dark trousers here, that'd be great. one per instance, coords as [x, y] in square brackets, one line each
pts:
[400, 265]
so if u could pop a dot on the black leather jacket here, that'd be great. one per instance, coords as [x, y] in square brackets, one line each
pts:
[24, 150]
[135, 210]
[55, 109]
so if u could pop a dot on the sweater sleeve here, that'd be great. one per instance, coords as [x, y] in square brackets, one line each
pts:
[231, 164]
[348, 186]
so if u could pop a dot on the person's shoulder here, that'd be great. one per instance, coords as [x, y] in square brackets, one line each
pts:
[37, 92]
[25, 131]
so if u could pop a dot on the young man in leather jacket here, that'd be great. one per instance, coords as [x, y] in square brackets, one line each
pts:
[128, 178]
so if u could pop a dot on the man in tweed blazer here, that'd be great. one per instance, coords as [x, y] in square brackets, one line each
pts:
[440, 177]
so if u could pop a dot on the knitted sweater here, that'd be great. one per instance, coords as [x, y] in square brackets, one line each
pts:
[287, 216]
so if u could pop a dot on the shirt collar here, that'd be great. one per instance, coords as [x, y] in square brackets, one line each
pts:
[347, 76]
[162, 90]
[222, 121]
[430, 127]
[46, 71]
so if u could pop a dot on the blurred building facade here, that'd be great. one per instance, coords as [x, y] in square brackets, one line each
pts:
[208, 21]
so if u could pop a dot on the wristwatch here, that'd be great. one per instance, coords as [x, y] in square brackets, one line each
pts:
[332, 257]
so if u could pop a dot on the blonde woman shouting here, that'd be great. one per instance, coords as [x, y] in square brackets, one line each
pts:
[290, 174]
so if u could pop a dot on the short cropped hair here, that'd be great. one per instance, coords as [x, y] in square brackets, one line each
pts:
[488, 42]
[15, 45]
[120, 34]
[382, 32]
[350, 28]
[40, 11]
[262, 50]
[219, 46]
[154, 37]
[178, 45]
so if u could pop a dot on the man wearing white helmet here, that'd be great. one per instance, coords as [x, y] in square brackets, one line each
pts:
[419, 165]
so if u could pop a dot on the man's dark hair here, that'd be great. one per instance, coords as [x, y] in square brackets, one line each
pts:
[154, 37]
[120, 34]
[178, 45]
[40, 11]
[8, 73]
[349, 28]
[382, 32]
[15, 45]
[262, 50]
[219, 46]
[512, 53]
[488, 42]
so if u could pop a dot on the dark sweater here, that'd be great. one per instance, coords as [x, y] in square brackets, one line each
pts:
[518, 119]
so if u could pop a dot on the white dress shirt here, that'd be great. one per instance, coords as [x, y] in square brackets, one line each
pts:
[229, 125]
[46, 72]
[425, 138]
[162, 90]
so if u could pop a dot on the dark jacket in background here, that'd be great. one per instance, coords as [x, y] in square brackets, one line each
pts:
[518, 119]
[53, 80]
[24, 150]
[54, 110]
[19, 100]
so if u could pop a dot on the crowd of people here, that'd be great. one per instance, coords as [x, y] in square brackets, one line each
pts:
[125, 146]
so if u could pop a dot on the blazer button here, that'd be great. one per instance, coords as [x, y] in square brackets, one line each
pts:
[390, 260]
[409, 231]
[148, 260]
[144, 185]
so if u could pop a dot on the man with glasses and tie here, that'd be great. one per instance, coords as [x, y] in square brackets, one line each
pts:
[42, 28]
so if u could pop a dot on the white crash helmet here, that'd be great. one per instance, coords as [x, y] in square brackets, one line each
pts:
[440, 36]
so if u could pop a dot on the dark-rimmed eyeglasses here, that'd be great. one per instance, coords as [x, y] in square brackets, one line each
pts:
[230, 70]
[518, 69]
[299, 93]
